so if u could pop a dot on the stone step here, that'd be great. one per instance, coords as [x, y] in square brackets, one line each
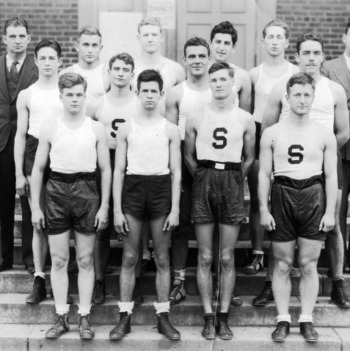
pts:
[13, 310]
[18, 280]
[32, 338]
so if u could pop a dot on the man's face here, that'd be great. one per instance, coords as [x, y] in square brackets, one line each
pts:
[346, 41]
[221, 47]
[73, 99]
[149, 95]
[47, 62]
[121, 74]
[150, 38]
[196, 60]
[275, 41]
[88, 48]
[310, 57]
[221, 84]
[16, 40]
[300, 98]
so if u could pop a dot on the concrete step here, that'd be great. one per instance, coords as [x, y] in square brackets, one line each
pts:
[13, 310]
[18, 280]
[32, 338]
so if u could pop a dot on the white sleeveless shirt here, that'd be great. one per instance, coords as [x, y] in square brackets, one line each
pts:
[148, 149]
[74, 151]
[44, 107]
[191, 100]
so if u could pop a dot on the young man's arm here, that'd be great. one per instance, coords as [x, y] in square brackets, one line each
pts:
[190, 144]
[254, 74]
[175, 170]
[248, 145]
[101, 219]
[120, 222]
[172, 104]
[330, 172]
[22, 185]
[245, 93]
[264, 180]
[92, 108]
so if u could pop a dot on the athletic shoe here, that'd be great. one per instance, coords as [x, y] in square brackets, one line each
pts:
[338, 295]
[281, 331]
[308, 331]
[178, 292]
[137, 294]
[99, 294]
[85, 328]
[122, 328]
[166, 328]
[38, 293]
[265, 297]
[255, 266]
[223, 330]
[60, 327]
[208, 331]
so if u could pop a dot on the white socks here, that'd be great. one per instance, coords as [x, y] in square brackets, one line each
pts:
[126, 307]
[284, 318]
[162, 307]
[84, 310]
[305, 318]
[62, 309]
[39, 274]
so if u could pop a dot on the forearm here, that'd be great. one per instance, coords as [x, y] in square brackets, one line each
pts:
[263, 192]
[35, 187]
[191, 164]
[247, 164]
[19, 150]
[118, 182]
[175, 191]
[331, 195]
[342, 139]
[106, 180]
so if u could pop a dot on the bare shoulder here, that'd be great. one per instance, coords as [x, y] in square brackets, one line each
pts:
[24, 96]
[245, 118]
[337, 90]
[323, 133]
[175, 93]
[172, 130]
[241, 73]
[195, 118]
[254, 74]
[94, 107]
[97, 127]
[48, 131]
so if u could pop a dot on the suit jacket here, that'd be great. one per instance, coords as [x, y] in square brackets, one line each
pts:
[338, 71]
[8, 111]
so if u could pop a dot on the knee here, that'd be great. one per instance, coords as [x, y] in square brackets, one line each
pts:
[227, 259]
[205, 258]
[282, 267]
[307, 266]
[85, 262]
[59, 262]
[129, 260]
[162, 260]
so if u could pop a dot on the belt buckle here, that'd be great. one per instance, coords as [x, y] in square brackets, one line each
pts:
[219, 166]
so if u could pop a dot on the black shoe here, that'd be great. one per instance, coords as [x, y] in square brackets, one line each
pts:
[38, 293]
[99, 294]
[137, 294]
[122, 328]
[222, 329]
[178, 292]
[208, 331]
[73, 267]
[5, 267]
[281, 331]
[69, 298]
[30, 269]
[85, 328]
[255, 266]
[60, 327]
[166, 328]
[308, 331]
[338, 295]
[265, 297]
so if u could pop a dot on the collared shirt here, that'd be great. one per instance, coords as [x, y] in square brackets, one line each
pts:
[19, 65]
[347, 60]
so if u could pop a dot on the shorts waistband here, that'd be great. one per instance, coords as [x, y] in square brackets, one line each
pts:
[140, 176]
[298, 183]
[72, 177]
[221, 166]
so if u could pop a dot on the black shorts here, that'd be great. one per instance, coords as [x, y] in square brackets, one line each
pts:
[339, 171]
[257, 139]
[217, 196]
[72, 201]
[297, 207]
[146, 196]
[29, 157]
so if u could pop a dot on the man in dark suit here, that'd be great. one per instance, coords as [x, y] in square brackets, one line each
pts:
[339, 71]
[17, 72]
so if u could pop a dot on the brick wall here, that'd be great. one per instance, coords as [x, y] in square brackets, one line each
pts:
[52, 19]
[324, 17]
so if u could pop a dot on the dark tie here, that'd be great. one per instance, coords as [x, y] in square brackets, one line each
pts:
[13, 71]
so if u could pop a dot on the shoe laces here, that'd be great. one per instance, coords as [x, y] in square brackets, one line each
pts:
[256, 260]
[165, 322]
[98, 288]
[123, 320]
[60, 322]
[176, 290]
[308, 328]
[340, 289]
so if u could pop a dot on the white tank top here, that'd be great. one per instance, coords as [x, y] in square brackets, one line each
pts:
[74, 151]
[297, 154]
[191, 100]
[148, 149]
[112, 116]
[263, 87]
[322, 109]
[95, 87]
[220, 137]
[44, 107]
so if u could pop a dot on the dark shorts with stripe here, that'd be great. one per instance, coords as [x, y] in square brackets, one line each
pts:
[217, 196]
[297, 207]
[72, 201]
[146, 196]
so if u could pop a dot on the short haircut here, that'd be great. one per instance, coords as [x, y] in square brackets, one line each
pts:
[47, 43]
[301, 79]
[196, 41]
[276, 23]
[125, 57]
[89, 30]
[225, 28]
[69, 80]
[150, 75]
[150, 21]
[16, 22]
[218, 66]
[306, 37]
[347, 28]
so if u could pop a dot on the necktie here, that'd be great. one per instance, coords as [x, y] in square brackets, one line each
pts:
[13, 71]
